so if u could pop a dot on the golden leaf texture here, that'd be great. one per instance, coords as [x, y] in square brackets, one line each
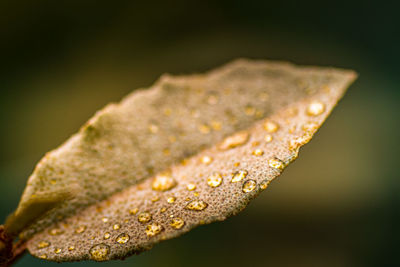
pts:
[190, 150]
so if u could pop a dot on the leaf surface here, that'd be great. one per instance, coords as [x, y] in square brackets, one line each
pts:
[188, 151]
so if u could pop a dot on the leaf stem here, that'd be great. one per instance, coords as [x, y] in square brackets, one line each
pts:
[9, 252]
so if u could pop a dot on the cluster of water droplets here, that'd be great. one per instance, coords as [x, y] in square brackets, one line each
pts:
[164, 182]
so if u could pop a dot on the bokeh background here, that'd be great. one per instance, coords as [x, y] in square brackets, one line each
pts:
[337, 205]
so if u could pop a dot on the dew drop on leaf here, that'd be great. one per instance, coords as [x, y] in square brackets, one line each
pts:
[171, 200]
[249, 186]
[268, 138]
[264, 185]
[177, 223]
[80, 229]
[99, 252]
[122, 238]
[214, 180]
[107, 235]
[315, 108]
[271, 126]
[206, 160]
[133, 211]
[153, 229]
[258, 152]
[144, 217]
[56, 231]
[163, 182]
[234, 141]
[197, 205]
[276, 164]
[191, 186]
[43, 244]
[239, 176]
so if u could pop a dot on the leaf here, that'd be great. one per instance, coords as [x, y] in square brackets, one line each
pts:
[188, 151]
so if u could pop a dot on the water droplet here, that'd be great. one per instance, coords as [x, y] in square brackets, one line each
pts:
[191, 186]
[177, 223]
[56, 231]
[163, 182]
[315, 108]
[296, 143]
[214, 180]
[80, 229]
[264, 184]
[206, 160]
[104, 219]
[249, 186]
[133, 211]
[271, 126]
[153, 128]
[236, 164]
[153, 229]
[43, 256]
[71, 248]
[57, 250]
[163, 209]
[258, 152]
[43, 244]
[235, 140]
[171, 200]
[204, 129]
[107, 235]
[144, 217]
[196, 194]
[276, 163]
[196, 205]
[122, 238]
[116, 226]
[268, 138]
[99, 252]
[239, 176]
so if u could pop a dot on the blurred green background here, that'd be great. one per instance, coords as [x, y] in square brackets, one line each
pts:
[337, 205]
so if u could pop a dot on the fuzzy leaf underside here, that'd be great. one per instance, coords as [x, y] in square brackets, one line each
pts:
[188, 151]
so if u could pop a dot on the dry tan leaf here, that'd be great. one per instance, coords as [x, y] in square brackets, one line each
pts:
[188, 151]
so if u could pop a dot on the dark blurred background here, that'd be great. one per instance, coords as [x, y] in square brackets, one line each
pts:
[337, 205]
